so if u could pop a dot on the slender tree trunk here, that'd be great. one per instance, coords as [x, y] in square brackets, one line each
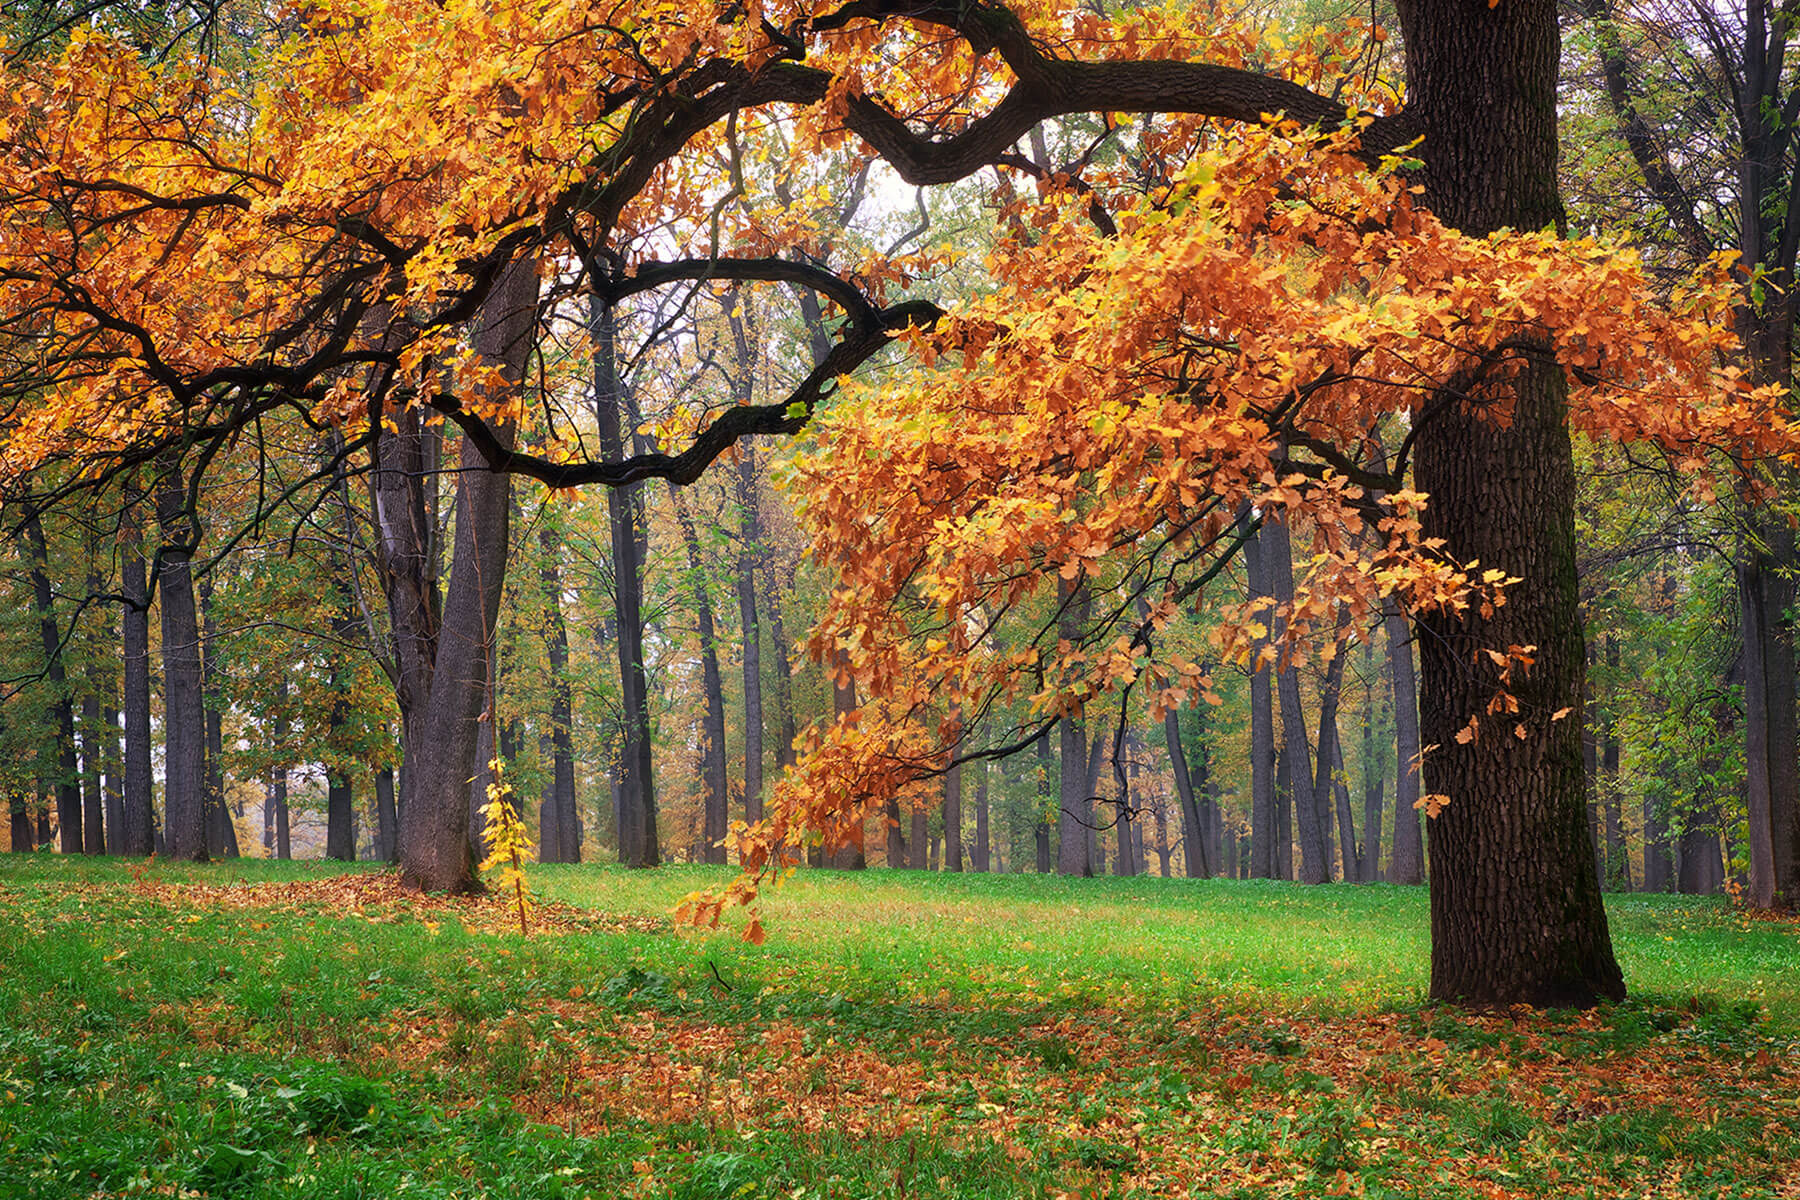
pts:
[139, 825]
[919, 844]
[1284, 808]
[981, 856]
[850, 854]
[1278, 568]
[387, 817]
[113, 764]
[1371, 773]
[637, 836]
[19, 831]
[1264, 858]
[1406, 864]
[787, 727]
[1527, 926]
[715, 796]
[1700, 870]
[94, 738]
[1074, 824]
[953, 856]
[749, 549]
[340, 838]
[61, 709]
[1048, 794]
[221, 831]
[559, 789]
[1764, 598]
[1190, 782]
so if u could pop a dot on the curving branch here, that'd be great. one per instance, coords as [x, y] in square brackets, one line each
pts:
[859, 342]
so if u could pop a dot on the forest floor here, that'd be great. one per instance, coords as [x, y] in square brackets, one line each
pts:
[260, 1029]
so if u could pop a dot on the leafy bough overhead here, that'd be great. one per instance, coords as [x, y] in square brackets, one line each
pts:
[1123, 402]
[1207, 316]
[189, 252]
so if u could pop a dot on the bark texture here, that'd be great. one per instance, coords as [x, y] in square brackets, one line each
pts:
[1515, 906]
[435, 852]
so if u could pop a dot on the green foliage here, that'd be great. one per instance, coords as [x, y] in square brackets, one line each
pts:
[1037, 1035]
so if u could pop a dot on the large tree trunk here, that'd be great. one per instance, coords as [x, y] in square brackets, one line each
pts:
[441, 729]
[184, 719]
[1516, 913]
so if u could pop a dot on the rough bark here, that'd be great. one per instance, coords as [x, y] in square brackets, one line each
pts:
[1516, 909]
[184, 719]
[440, 734]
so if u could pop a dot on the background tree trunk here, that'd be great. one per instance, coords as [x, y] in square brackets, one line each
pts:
[61, 709]
[221, 831]
[1189, 779]
[1264, 860]
[715, 796]
[638, 845]
[980, 856]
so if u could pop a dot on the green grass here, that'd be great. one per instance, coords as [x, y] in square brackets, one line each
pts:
[896, 1035]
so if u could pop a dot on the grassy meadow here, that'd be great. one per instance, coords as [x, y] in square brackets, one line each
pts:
[260, 1029]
